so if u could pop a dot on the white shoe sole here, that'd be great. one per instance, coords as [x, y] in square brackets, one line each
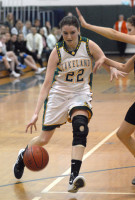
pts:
[79, 182]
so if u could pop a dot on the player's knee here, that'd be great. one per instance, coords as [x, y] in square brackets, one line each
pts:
[123, 136]
[119, 135]
[80, 130]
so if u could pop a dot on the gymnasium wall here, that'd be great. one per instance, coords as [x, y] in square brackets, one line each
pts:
[103, 14]
[98, 15]
[61, 2]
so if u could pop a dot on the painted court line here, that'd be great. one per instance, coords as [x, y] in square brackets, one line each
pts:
[49, 187]
[111, 193]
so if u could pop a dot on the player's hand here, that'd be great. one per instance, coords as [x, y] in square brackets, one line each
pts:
[81, 18]
[98, 64]
[116, 73]
[32, 123]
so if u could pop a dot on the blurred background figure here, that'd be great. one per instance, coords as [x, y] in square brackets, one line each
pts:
[37, 25]
[20, 51]
[17, 28]
[47, 28]
[34, 45]
[69, 14]
[121, 26]
[9, 21]
[26, 29]
[51, 42]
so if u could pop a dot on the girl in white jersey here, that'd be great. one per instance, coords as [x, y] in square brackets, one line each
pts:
[127, 127]
[67, 95]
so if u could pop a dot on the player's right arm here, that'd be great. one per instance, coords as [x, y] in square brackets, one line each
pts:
[106, 32]
[126, 67]
[51, 66]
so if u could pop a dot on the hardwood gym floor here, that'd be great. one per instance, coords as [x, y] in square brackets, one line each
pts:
[108, 166]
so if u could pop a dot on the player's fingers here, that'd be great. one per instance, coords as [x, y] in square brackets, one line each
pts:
[27, 127]
[123, 74]
[116, 76]
[96, 67]
[111, 78]
[31, 129]
[35, 127]
[78, 11]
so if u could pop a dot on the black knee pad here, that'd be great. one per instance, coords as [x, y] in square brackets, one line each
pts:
[80, 130]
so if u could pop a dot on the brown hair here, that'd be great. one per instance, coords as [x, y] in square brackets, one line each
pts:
[131, 20]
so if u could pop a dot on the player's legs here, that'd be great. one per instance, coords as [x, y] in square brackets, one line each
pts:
[80, 131]
[126, 129]
[78, 150]
[124, 134]
[40, 140]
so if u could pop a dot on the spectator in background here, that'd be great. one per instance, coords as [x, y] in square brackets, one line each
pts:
[17, 28]
[121, 26]
[58, 34]
[9, 21]
[2, 29]
[51, 38]
[26, 29]
[42, 33]
[37, 25]
[8, 59]
[47, 28]
[7, 30]
[20, 51]
[69, 14]
[10, 43]
[51, 41]
[34, 45]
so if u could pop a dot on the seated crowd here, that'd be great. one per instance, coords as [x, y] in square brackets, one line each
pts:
[24, 44]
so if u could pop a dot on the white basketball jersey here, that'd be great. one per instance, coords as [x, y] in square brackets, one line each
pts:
[74, 70]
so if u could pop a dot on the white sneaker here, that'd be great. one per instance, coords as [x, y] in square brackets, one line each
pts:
[40, 70]
[14, 74]
[78, 182]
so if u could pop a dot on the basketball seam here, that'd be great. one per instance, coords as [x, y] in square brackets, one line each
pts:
[27, 163]
[42, 158]
[46, 160]
[34, 158]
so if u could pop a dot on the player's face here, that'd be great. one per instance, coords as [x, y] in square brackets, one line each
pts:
[70, 35]
[131, 29]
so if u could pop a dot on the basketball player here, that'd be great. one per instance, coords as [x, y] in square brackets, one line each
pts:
[127, 127]
[70, 70]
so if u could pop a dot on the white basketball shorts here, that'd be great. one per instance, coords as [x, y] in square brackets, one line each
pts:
[58, 107]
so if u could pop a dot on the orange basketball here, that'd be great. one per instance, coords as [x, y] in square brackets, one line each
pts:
[36, 158]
